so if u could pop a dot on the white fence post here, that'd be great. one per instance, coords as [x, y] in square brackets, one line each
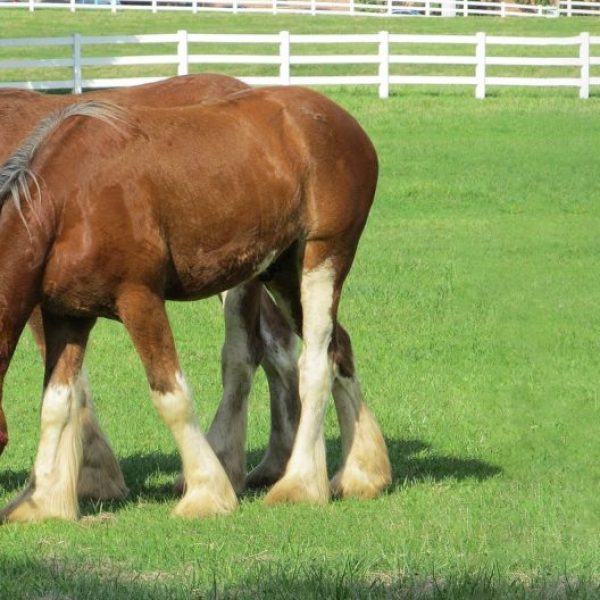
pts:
[31, 5]
[154, 6]
[77, 63]
[195, 7]
[182, 52]
[72, 5]
[284, 57]
[502, 9]
[480, 65]
[427, 8]
[113, 6]
[235, 7]
[274, 7]
[584, 55]
[389, 7]
[569, 8]
[313, 7]
[384, 64]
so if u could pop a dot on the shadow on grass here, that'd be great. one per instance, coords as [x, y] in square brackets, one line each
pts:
[150, 477]
[60, 579]
[413, 461]
[12, 480]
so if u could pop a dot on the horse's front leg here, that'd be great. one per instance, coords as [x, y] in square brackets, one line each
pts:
[52, 489]
[208, 489]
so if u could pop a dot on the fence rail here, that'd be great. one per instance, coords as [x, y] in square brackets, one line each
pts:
[383, 52]
[382, 8]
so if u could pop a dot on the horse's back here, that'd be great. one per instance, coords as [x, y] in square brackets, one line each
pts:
[208, 195]
[176, 91]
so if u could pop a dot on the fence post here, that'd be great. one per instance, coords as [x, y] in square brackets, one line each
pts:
[72, 5]
[195, 7]
[502, 9]
[313, 7]
[569, 8]
[584, 55]
[480, 65]
[384, 64]
[427, 8]
[465, 8]
[284, 57]
[154, 6]
[113, 6]
[77, 63]
[235, 7]
[182, 52]
[274, 7]
[389, 7]
[31, 5]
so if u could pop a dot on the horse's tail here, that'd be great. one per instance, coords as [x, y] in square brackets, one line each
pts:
[16, 174]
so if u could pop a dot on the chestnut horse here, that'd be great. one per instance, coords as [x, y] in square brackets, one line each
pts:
[257, 334]
[181, 204]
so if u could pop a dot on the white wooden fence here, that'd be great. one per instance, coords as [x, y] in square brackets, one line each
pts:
[382, 52]
[385, 8]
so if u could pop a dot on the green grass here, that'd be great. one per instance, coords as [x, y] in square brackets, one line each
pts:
[473, 306]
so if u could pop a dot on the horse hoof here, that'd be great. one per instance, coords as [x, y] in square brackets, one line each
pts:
[202, 502]
[27, 510]
[293, 491]
[355, 483]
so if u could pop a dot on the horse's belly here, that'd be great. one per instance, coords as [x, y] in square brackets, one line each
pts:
[206, 274]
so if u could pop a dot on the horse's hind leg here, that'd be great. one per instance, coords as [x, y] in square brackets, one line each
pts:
[314, 313]
[366, 469]
[52, 490]
[101, 477]
[255, 331]
[280, 363]
[240, 356]
[208, 490]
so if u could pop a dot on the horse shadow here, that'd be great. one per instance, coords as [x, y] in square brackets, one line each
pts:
[150, 476]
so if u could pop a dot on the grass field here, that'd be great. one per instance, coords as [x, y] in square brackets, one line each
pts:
[473, 309]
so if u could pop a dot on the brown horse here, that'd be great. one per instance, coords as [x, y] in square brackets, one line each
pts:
[181, 204]
[258, 334]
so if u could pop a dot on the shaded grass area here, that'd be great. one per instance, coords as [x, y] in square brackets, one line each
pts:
[55, 579]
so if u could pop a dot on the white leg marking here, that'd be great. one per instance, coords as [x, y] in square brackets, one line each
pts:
[366, 469]
[306, 473]
[52, 492]
[208, 490]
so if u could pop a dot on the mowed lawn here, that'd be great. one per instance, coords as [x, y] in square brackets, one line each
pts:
[473, 307]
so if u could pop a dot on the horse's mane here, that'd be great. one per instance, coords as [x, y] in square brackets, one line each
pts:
[16, 174]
